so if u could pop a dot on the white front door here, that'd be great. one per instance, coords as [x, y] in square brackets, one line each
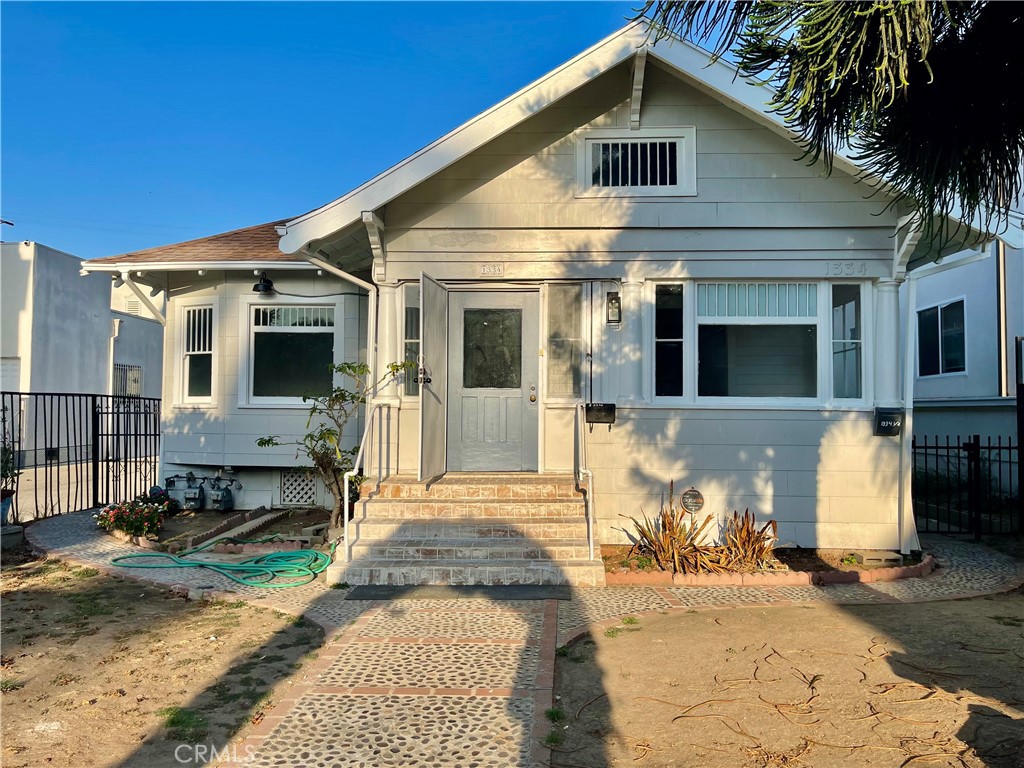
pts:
[492, 383]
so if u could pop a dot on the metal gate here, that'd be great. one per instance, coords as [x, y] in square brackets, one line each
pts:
[967, 486]
[64, 451]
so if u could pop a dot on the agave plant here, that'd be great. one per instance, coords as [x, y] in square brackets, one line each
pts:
[747, 547]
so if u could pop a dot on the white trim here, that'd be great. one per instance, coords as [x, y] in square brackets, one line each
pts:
[865, 329]
[685, 137]
[181, 400]
[917, 331]
[246, 303]
[195, 266]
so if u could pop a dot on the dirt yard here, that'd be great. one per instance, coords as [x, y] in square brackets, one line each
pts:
[293, 523]
[98, 671]
[899, 686]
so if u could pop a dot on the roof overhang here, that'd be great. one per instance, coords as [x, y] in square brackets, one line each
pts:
[193, 266]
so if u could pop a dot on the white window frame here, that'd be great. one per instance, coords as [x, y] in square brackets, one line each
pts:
[822, 321]
[686, 154]
[917, 330]
[245, 345]
[409, 399]
[181, 367]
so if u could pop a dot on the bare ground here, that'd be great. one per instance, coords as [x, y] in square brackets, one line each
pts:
[97, 671]
[932, 684]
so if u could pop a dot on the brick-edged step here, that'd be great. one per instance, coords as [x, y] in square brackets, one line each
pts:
[488, 508]
[377, 528]
[456, 486]
[517, 548]
[401, 572]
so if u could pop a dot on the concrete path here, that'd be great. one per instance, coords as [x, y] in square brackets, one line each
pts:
[466, 682]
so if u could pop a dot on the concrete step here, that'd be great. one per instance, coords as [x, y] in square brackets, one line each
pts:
[400, 572]
[471, 486]
[537, 528]
[489, 508]
[501, 550]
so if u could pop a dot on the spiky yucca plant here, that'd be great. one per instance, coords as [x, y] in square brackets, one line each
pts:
[747, 547]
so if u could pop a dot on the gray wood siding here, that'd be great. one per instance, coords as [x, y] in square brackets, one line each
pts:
[515, 198]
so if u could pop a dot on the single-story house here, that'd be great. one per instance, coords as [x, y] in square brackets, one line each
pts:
[633, 229]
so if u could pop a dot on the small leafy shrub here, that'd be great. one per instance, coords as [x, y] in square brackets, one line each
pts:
[747, 547]
[160, 498]
[134, 518]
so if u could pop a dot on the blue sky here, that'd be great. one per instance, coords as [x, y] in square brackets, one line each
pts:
[130, 125]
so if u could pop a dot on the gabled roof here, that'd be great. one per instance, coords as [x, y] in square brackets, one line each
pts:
[717, 78]
[250, 244]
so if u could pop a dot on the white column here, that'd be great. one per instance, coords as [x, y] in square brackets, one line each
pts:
[887, 343]
[631, 347]
[388, 343]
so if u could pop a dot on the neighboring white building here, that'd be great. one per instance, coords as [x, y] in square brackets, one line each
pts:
[967, 319]
[633, 229]
[65, 332]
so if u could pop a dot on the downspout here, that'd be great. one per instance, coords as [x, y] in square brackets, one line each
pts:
[115, 331]
[371, 318]
[905, 499]
[1002, 365]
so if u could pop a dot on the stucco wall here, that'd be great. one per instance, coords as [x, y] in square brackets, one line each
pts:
[140, 342]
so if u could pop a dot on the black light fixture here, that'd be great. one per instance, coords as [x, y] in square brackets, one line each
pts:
[265, 285]
[613, 308]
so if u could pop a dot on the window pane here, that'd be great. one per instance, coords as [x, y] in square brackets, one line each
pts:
[846, 365]
[199, 381]
[292, 364]
[668, 368]
[412, 355]
[846, 346]
[668, 312]
[757, 361]
[846, 313]
[928, 342]
[565, 333]
[492, 348]
[953, 353]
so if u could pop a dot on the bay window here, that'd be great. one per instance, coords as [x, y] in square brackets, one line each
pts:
[198, 331]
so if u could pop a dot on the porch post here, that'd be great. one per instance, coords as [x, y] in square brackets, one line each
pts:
[887, 343]
[388, 343]
[631, 388]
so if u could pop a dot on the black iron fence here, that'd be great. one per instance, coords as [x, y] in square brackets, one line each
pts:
[967, 485]
[63, 452]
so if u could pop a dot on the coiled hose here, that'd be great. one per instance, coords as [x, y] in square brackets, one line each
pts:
[296, 568]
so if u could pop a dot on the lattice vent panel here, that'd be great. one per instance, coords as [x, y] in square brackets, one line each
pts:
[298, 487]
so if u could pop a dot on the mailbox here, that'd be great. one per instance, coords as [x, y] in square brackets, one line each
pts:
[888, 421]
[600, 413]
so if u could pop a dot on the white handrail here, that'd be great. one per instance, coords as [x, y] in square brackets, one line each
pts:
[579, 471]
[347, 477]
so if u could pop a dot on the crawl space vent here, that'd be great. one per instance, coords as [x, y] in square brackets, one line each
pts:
[297, 487]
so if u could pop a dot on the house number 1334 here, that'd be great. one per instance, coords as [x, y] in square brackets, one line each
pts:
[845, 268]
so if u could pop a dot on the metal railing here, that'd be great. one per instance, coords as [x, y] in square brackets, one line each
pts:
[967, 485]
[580, 470]
[371, 418]
[68, 451]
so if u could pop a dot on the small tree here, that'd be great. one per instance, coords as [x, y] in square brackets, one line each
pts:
[328, 417]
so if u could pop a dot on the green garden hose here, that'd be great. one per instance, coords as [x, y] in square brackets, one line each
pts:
[298, 567]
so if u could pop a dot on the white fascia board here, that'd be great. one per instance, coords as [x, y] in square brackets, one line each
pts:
[435, 157]
[193, 266]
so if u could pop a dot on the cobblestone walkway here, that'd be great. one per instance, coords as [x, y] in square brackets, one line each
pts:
[466, 682]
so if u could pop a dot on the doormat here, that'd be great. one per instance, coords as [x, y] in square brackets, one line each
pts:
[461, 592]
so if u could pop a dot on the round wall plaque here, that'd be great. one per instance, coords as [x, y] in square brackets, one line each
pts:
[692, 500]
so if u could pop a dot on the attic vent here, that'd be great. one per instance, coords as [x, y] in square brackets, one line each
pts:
[133, 306]
[655, 162]
[298, 486]
[634, 163]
